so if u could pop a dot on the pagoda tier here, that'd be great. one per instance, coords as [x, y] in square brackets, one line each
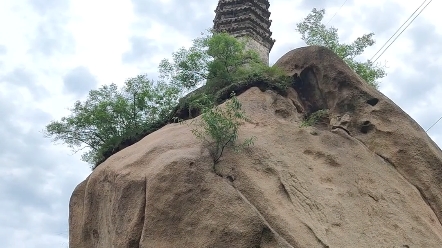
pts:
[242, 18]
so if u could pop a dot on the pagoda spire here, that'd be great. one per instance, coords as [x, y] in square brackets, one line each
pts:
[246, 18]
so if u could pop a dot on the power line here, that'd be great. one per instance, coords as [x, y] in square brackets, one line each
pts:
[401, 31]
[336, 13]
[434, 124]
[398, 29]
[395, 37]
[399, 35]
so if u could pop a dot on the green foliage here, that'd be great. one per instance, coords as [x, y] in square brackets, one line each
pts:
[315, 33]
[263, 72]
[109, 116]
[231, 61]
[275, 80]
[315, 117]
[218, 128]
[262, 76]
[216, 60]
[189, 67]
[112, 119]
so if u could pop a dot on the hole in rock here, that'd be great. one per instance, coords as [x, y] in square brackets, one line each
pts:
[373, 101]
[230, 178]
[366, 127]
[95, 234]
[306, 85]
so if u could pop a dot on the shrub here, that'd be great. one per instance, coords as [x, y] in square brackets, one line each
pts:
[315, 117]
[218, 128]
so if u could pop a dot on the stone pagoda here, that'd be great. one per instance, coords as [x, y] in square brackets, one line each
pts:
[246, 18]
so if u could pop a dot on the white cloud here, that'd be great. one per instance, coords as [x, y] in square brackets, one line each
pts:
[79, 81]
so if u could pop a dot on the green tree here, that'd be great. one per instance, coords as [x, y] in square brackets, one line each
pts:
[215, 59]
[109, 115]
[218, 128]
[189, 67]
[231, 61]
[315, 33]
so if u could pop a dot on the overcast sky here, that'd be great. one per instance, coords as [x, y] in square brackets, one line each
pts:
[52, 52]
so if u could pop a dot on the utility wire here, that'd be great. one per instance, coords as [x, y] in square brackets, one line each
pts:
[401, 31]
[337, 12]
[398, 29]
[434, 124]
[398, 36]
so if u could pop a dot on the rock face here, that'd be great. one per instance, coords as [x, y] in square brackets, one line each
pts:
[369, 177]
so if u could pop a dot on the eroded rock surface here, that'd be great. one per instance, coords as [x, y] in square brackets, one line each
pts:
[369, 178]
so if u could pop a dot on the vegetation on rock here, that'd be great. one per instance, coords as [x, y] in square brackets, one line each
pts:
[218, 128]
[315, 117]
[315, 33]
[112, 116]
[216, 64]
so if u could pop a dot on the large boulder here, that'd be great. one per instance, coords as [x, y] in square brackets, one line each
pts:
[369, 177]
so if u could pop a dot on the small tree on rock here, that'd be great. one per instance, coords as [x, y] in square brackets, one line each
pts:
[215, 59]
[218, 128]
[315, 33]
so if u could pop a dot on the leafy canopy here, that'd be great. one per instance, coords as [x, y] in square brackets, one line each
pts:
[111, 118]
[313, 32]
[214, 60]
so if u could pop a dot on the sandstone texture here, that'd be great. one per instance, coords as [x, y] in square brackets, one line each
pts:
[365, 176]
